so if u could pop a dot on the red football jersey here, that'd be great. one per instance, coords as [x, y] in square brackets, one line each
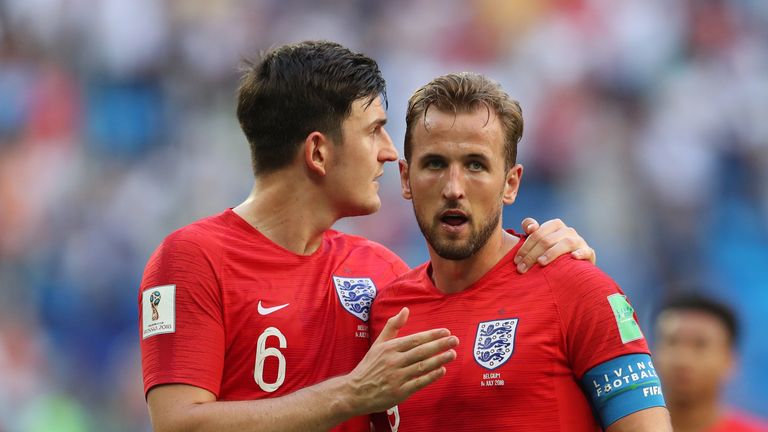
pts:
[223, 308]
[735, 421]
[525, 342]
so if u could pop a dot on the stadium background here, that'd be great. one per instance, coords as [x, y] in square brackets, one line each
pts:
[646, 129]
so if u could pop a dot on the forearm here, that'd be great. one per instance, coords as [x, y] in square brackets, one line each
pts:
[654, 419]
[391, 371]
[315, 408]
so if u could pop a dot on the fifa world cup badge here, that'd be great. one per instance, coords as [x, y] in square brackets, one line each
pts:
[154, 301]
[158, 310]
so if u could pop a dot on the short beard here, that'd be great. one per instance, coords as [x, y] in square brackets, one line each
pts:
[452, 250]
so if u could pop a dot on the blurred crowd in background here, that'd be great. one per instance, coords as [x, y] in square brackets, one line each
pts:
[646, 128]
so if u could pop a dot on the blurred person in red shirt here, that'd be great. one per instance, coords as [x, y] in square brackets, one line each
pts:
[695, 355]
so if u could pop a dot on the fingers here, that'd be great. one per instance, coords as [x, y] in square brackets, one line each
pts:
[429, 349]
[585, 253]
[393, 326]
[536, 243]
[427, 365]
[552, 246]
[529, 225]
[393, 369]
[551, 240]
[422, 381]
[418, 340]
[530, 228]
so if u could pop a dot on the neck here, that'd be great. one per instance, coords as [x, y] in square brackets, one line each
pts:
[287, 211]
[694, 416]
[452, 276]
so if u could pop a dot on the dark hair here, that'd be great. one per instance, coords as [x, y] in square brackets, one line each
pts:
[699, 303]
[294, 90]
[464, 92]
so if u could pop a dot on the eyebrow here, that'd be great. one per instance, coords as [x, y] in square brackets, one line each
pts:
[431, 156]
[477, 156]
[378, 122]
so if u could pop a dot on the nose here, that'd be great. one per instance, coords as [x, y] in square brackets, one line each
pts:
[453, 189]
[387, 152]
[679, 358]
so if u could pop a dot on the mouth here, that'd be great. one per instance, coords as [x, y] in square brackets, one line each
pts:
[453, 220]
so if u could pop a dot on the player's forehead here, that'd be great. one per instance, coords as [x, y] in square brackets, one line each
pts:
[475, 131]
[690, 324]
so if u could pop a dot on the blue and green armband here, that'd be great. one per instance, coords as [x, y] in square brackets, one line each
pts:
[622, 386]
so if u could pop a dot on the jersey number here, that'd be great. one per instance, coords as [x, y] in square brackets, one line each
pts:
[262, 352]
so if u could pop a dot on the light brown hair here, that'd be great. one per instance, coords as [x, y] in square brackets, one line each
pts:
[462, 93]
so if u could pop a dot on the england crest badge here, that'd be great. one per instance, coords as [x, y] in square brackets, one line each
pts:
[495, 342]
[355, 295]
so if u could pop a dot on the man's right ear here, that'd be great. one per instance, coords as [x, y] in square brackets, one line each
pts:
[317, 152]
[405, 182]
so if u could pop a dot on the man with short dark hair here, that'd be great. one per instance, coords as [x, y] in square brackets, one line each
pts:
[555, 349]
[696, 339]
[257, 318]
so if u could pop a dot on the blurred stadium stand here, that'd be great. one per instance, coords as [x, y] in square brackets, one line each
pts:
[646, 129]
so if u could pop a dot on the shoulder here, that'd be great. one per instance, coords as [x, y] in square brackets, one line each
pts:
[353, 242]
[188, 258]
[411, 281]
[566, 266]
[586, 296]
[199, 239]
[201, 232]
[408, 289]
[202, 228]
[357, 247]
[574, 278]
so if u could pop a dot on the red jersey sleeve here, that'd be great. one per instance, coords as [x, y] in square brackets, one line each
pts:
[598, 321]
[180, 315]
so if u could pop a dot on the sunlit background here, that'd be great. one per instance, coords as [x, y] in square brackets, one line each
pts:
[646, 129]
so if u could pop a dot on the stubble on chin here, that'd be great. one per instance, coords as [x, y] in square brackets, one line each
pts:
[457, 250]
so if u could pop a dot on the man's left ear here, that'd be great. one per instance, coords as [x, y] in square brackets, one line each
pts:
[405, 181]
[512, 184]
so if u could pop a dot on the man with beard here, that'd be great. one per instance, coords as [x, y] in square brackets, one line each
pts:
[555, 349]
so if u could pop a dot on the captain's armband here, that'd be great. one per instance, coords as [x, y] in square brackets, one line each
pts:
[622, 386]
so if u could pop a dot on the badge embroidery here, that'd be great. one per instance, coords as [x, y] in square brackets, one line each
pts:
[158, 310]
[625, 318]
[355, 295]
[495, 342]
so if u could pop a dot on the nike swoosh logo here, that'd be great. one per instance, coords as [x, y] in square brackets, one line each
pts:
[268, 310]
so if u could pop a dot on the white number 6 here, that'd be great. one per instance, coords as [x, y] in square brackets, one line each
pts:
[262, 352]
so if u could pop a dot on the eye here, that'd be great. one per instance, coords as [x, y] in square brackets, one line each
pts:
[434, 164]
[476, 166]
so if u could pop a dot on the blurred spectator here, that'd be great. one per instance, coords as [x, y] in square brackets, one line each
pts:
[695, 355]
